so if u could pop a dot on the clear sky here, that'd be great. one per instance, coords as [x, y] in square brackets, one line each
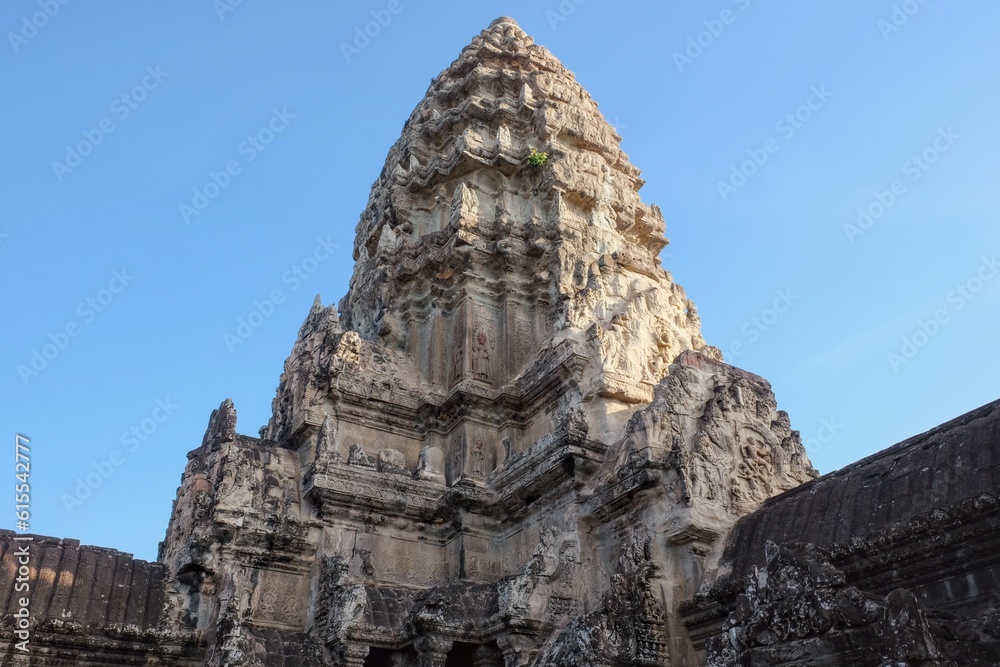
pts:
[172, 167]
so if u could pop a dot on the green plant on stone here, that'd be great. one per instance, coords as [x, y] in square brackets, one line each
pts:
[537, 159]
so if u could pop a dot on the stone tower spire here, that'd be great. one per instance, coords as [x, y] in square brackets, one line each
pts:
[471, 262]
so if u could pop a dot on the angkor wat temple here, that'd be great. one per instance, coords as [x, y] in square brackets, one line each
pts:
[511, 446]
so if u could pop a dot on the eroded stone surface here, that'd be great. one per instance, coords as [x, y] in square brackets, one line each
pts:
[892, 560]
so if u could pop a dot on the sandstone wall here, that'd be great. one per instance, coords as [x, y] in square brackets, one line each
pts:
[89, 606]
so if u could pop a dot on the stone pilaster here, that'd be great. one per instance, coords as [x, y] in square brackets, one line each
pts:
[517, 650]
[351, 654]
[432, 651]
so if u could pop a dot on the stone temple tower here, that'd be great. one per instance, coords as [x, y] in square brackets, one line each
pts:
[512, 446]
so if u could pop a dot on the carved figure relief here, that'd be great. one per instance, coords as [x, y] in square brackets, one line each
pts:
[457, 457]
[366, 562]
[457, 363]
[348, 349]
[280, 599]
[477, 459]
[326, 443]
[482, 363]
[472, 565]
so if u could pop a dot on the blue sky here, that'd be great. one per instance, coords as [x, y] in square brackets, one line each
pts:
[760, 128]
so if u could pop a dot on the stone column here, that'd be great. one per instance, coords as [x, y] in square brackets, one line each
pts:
[518, 650]
[351, 654]
[487, 656]
[432, 651]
